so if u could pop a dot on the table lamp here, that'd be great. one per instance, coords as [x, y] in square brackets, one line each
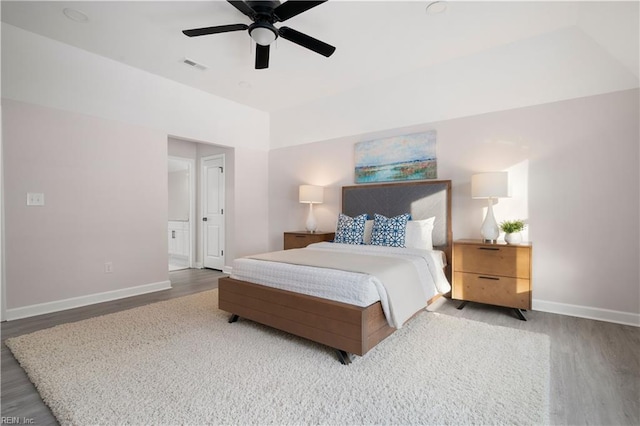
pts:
[311, 195]
[490, 185]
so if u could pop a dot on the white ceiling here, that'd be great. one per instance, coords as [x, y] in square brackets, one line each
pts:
[375, 40]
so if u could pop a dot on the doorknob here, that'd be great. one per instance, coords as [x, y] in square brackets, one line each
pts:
[204, 219]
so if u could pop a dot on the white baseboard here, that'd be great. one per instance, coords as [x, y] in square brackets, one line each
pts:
[91, 299]
[618, 317]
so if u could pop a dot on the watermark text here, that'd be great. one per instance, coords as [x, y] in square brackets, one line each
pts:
[15, 420]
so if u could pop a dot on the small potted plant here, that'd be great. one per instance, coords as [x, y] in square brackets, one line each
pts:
[511, 229]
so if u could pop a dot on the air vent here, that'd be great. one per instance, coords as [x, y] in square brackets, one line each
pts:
[194, 64]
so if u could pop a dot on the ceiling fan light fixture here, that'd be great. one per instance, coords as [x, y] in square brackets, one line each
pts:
[264, 14]
[263, 34]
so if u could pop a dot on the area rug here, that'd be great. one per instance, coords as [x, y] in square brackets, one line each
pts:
[180, 362]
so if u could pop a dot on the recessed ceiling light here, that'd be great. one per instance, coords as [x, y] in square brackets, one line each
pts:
[75, 15]
[436, 7]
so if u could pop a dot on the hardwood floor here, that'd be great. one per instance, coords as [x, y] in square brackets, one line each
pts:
[595, 366]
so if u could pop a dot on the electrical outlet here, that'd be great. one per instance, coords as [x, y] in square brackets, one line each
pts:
[108, 267]
[35, 199]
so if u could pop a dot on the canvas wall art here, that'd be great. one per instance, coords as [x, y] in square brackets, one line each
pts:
[406, 157]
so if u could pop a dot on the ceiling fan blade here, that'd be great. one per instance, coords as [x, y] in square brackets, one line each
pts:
[306, 41]
[215, 30]
[244, 8]
[291, 8]
[262, 57]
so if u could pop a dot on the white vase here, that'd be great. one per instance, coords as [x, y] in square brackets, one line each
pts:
[513, 238]
[311, 224]
[490, 230]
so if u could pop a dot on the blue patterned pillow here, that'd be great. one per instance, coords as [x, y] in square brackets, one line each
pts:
[350, 230]
[389, 232]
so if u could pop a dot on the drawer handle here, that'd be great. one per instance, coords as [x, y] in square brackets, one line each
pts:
[489, 248]
[300, 236]
[482, 277]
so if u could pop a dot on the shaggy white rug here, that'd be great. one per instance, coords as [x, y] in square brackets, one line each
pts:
[180, 362]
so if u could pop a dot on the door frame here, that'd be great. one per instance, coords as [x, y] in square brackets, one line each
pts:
[3, 278]
[191, 166]
[203, 197]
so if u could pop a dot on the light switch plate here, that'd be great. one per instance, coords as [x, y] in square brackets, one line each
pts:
[35, 199]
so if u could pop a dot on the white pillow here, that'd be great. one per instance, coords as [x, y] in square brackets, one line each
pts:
[418, 234]
[368, 229]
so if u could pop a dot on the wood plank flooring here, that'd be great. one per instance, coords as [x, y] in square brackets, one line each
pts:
[595, 366]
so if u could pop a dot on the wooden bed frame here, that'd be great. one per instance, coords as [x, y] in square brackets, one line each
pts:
[347, 328]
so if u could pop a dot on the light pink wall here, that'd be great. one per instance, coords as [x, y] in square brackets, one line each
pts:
[105, 186]
[574, 172]
[251, 202]
[103, 88]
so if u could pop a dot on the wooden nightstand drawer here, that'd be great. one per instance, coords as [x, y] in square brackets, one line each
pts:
[509, 261]
[496, 274]
[302, 239]
[494, 290]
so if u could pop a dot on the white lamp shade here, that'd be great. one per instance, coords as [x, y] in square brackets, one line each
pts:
[311, 194]
[490, 185]
[263, 36]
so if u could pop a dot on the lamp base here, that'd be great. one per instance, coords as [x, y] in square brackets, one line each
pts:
[484, 240]
[490, 231]
[311, 224]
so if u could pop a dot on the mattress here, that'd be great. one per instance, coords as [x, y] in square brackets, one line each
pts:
[354, 288]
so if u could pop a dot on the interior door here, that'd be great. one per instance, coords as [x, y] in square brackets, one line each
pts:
[213, 212]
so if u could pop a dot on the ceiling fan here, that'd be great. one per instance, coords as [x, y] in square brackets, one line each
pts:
[264, 14]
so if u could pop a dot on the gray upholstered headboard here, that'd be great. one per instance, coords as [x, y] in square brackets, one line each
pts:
[423, 199]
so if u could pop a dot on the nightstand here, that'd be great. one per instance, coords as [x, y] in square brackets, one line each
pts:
[300, 239]
[495, 274]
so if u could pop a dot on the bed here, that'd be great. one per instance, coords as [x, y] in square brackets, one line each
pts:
[350, 327]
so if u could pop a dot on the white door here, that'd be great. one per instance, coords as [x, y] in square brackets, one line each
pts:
[213, 211]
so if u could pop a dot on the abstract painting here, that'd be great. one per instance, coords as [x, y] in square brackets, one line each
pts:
[407, 157]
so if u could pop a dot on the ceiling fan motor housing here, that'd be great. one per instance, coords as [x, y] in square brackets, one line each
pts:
[263, 7]
[263, 22]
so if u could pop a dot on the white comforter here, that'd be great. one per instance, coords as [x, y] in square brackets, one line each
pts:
[357, 288]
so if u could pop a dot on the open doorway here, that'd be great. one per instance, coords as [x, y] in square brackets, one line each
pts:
[181, 225]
